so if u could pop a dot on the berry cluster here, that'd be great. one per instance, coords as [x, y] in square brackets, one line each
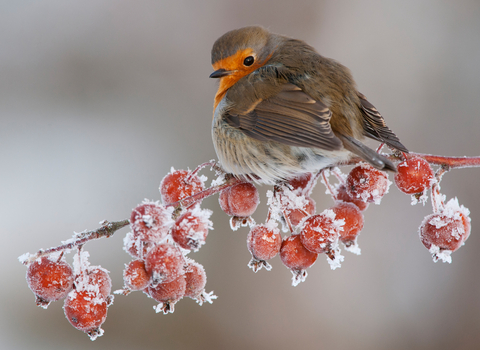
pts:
[86, 289]
[290, 205]
[86, 305]
[163, 234]
[447, 228]
[160, 239]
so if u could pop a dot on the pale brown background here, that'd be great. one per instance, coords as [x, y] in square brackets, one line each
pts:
[98, 99]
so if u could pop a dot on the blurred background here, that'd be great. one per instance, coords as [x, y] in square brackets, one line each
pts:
[98, 99]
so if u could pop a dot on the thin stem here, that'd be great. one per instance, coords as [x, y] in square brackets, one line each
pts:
[211, 163]
[437, 199]
[327, 185]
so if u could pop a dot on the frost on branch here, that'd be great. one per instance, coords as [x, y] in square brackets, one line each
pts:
[163, 234]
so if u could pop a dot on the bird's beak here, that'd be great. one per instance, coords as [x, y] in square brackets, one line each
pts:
[220, 73]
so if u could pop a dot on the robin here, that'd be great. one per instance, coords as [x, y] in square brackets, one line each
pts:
[282, 109]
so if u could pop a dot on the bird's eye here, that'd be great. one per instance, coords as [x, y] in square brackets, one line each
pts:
[248, 61]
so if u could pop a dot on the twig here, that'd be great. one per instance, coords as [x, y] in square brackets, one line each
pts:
[107, 230]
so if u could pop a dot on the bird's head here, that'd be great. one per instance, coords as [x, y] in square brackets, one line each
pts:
[238, 53]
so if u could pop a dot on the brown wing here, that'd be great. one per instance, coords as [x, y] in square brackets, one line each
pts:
[292, 118]
[375, 127]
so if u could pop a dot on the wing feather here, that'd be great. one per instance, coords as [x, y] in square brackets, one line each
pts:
[292, 118]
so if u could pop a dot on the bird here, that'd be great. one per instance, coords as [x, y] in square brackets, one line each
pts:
[282, 109]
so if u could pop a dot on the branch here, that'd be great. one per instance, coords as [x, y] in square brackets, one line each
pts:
[449, 162]
[107, 230]
[189, 201]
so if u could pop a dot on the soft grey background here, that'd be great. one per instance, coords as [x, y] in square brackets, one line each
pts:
[98, 99]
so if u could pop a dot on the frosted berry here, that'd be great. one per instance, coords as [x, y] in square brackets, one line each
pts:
[195, 278]
[179, 184]
[135, 276]
[297, 215]
[191, 229]
[164, 263]
[296, 257]
[168, 293]
[98, 279]
[320, 233]
[353, 218]
[342, 195]
[86, 311]
[151, 222]
[301, 184]
[264, 242]
[443, 233]
[367, 183]
[413, 175]
[134, 246]
[49, 279]
[239, 200]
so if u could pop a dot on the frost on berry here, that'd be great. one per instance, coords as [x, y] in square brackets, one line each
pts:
[191, 229]
[135, 277]
[164, 263]
[96, 279]
[263, 242]
[297, 258]
[92, 279]
[367, 183]
[86, 311]
[196, 279]
[296, 215]
[167, 294]
[320, 234]
[240, 200]
[443, 233]
[134, 246]
[50, 279]
[342, 195]
[353, 218]
[151, 221]
[180, 184]
[302, 184]
[414, 176]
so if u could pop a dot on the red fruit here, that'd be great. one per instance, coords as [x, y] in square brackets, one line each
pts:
[301, 184]
[239, 200]
[164, 263]
[413, 175]
[86, 311]
[443, 233]
[367, 183]
[297, 215]
[151, 222]
[97, 279]
[135, 276]
[342, 195]
[264, 241]
[296, 257]
[191, 229]
[320, 233]
[49, 279]
[353, 218]
[168, 293]
[132, 244]
[179, 184]
[195, 278]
